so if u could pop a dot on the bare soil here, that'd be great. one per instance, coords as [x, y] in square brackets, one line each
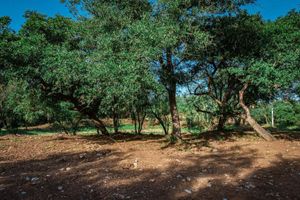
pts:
[140, 167]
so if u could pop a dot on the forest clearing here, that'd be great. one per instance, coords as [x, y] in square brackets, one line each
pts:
[150, 99]
[140, 167]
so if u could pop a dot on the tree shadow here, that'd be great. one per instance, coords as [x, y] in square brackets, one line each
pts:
[122, 137]
[111, 174]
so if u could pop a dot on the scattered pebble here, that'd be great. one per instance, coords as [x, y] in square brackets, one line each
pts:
[60, 188]
[68, 168]
[119, 196]
[188, 191]
[152, 180]
[135, 164]
[98, 154]
[214, 150]
[34, 180]
[249, 185]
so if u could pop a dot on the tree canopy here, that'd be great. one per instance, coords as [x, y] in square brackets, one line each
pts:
[133, 59]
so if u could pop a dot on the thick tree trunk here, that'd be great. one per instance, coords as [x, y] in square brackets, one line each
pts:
[176, 128]
[237, 121]
[100, 126]
[259, 129]
[171, 82]
[221, 122]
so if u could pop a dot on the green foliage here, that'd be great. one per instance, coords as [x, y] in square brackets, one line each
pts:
[286, 113]
[199, 112]
[127, 58]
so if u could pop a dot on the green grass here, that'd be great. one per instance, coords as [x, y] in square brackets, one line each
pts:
[87, 130]
[128, 128]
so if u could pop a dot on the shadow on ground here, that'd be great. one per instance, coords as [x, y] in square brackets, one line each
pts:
[103, 174]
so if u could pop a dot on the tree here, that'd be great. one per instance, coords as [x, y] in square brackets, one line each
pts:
[184, 48]
[159, 109]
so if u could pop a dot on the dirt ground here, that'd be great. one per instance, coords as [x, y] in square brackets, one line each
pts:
[87, 167]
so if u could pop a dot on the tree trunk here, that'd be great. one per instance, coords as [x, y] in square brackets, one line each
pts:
[163, 124]
[75, 126]
[176, 129]
[260, 130]
[141, 120]
[115, 123]
[237, 121]
[171, 82]
[221, 122]
[100, 126]
[138, 119]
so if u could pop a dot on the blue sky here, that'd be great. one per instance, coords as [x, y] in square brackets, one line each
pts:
[270, 9]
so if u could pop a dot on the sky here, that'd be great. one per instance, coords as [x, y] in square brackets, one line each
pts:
[269, 9]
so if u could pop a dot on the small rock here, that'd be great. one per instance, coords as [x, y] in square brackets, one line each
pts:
[27, 178]
[23, 193]
[68, 168]
[81, 156]
[249, 185]
[188, 191]
[98, 154]
[179, 176]
[188, 179]
[152, 180]
[209, 184]
[63, 159]
[135, 164]
[119, 196]
[214, 150]
[34, 180]
[60, 188]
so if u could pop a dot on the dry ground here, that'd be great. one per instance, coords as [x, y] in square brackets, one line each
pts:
[86, 167]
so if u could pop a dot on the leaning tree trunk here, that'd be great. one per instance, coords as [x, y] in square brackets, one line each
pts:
[259, 129]
[100, 126]
[176, 129]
